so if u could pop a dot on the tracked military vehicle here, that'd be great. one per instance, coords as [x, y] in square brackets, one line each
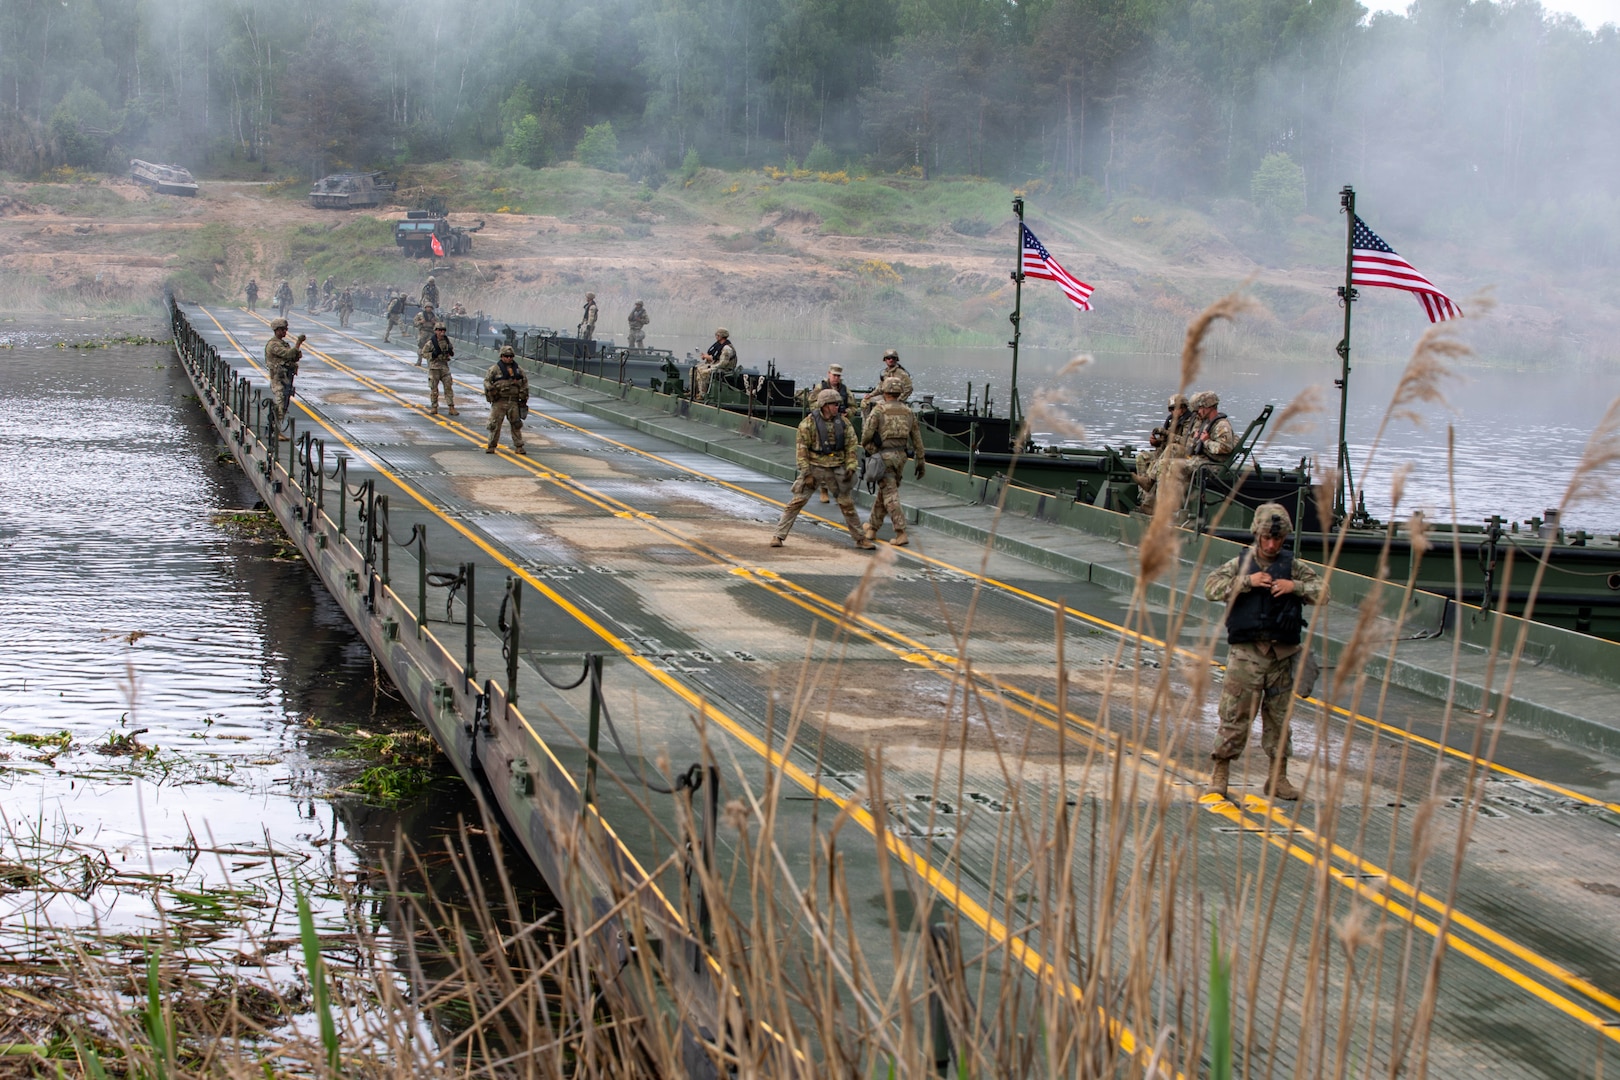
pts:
[343, 191]
[415, 235]
[163, 179]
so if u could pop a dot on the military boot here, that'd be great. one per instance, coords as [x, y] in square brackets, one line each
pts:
[824, 497]
[1218, 777]
[1277, 785]
[900, 538]
[870, 532]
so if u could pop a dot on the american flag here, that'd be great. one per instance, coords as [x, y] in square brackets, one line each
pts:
[1374, 263]
[1038, 263]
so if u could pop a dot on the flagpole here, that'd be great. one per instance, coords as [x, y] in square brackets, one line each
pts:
[1347, 295]
[1013, 412]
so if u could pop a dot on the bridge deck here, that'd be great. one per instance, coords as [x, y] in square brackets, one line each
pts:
[937, 667]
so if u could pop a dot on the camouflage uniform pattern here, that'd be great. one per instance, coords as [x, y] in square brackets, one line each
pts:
[725, 361]
[834, 471]
[345, 306]
[281, 358]
[438, 353]
[430, 295]
[396, 312]
[1259, 675]
[253, 295]
[891, 429]
[897, 372]
[638, 326]
[424, 330]
[507, 391]
[587, 322]
[312, 294]
[1214, 438]
[284, 299]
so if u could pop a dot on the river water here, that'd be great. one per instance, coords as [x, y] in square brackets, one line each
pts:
[141, 606]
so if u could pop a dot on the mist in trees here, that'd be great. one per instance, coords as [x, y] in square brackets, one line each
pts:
[1458, 115]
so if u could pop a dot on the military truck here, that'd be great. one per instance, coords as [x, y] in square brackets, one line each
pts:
[415, 235]
[341, 191]
[163, 179]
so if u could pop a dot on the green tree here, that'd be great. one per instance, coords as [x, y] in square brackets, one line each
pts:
[598, 147]
[83, 126]
[1278, 189]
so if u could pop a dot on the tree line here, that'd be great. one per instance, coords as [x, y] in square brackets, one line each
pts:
[1490, 110]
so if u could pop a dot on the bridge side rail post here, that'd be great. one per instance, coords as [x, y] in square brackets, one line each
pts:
[467, 569]
[593, 736]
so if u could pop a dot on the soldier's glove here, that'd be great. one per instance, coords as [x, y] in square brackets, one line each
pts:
[917, 470]
[301, 339]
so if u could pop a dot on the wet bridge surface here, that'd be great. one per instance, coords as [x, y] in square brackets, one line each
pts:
[935, 670]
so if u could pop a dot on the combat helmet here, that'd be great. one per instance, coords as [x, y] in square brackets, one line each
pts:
[722, 332]
[828, 397]
[430, 280]
[1271, 519]
[278, 324]
[892, 385]
[590, 296]
[1178, 399]
[440, 326]
[1205, 399]
[891, 352]
[507, 350]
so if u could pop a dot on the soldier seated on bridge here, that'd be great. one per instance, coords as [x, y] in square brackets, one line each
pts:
[719, 357]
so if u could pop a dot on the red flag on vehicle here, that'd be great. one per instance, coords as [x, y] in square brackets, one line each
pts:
[438, 248]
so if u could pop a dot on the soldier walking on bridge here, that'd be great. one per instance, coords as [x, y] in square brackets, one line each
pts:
[438, 352]
[345, 307]
[328, 289]
[281, 363]
[284, 298]
[891, 430]
[396, 312]
[1265, 590]
[424, 323]
[825, 455]
[506, 388]
[430, 293]
[312, 295]
[253, 294]
[638, 326]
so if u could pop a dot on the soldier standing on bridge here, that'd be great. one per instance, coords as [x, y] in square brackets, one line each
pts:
[1265, 590]
[345, 307]
[825, 456]
[424, 323]
[587, 321]
[284, 298]
[506, 388]
[430, 293]
[253, 294]
[312, 295]
[281, 362]
[719, 357]
[438, 353]
[638, 326]
[891, 369]
[396, 312]
[891, 429]
[328, 288]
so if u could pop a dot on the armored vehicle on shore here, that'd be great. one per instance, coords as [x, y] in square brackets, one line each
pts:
[341, 191]
[415, 235]
[163, 179]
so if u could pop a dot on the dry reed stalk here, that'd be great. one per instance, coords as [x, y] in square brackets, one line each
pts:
[1593, 478]
[1293, 418]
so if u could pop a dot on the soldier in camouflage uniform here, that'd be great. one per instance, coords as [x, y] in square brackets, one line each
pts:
[720, 356]
[1265, 590]
[1150, 465]
[312, 295]
[438, 353]
[506, 388]
[430, 293]
[1212, 438]
[638, 326]
[396, 312]
[424, 322]
[284, 298]
[253, 294]
[281, 364]
[345, 306]
[328, 289]
[825, 455]
[891, 369]
[587, 321]
[890, 430]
